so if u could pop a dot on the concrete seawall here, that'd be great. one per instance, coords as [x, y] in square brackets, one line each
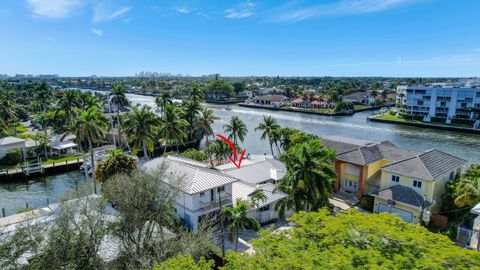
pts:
[426, 125]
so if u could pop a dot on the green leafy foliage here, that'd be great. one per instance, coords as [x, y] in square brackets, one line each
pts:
[117, 163]
[353, 240]
[13, 157]
[184, 262]
[195, 154]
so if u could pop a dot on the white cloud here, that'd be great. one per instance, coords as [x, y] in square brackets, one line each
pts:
[343, 7]
[54, 9]
[102, 14]
[244, 10]
[97, 32]
[183, 10]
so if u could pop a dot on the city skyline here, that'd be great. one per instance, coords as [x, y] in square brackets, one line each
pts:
[391, 38]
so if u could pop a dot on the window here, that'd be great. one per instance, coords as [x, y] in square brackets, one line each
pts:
[221, 189]
[420, 102]
[452, 175]
[395, 178]
[417, 184]
[202, 194]
[264, 209]
[352, 170]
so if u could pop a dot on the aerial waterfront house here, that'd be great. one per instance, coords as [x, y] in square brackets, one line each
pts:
[358, 162]
[263, 174]
[403, 181]
[361, 97]
[410, 186]
[316, 103]
[201, 190]
[270, 100]
[440, 102]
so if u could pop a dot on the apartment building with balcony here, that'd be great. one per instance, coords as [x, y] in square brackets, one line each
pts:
[440, 102]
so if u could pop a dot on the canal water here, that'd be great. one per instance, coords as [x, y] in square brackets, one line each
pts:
[14, 195]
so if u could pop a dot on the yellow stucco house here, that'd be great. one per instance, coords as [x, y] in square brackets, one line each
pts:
[358, 162]
[416, 183]
[403, 181]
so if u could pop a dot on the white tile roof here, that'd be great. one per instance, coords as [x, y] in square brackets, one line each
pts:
[10, 140]
[188, 178]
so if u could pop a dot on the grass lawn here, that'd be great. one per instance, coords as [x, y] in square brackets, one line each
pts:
[61, 159]
[57, 160]
[397, 118]
[20, 129]
[360, 107]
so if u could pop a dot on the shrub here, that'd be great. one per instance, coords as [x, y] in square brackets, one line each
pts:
[24, 210]
[195, 154]
[12, 158]
[392, 112]
[117, 163]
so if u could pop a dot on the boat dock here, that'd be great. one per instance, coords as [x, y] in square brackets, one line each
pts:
[36, 170]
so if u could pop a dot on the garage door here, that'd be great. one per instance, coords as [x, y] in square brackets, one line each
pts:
[405, 215]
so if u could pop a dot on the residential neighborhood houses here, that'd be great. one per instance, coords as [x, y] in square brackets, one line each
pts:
[404, 182]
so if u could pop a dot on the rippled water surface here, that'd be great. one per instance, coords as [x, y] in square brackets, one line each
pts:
[467, 146]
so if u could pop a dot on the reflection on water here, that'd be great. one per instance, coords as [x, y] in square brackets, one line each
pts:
[14, 196]
[467, 146]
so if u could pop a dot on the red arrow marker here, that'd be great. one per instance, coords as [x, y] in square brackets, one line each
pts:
[233, 160]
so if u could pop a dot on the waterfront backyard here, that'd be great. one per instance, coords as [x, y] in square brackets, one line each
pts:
[459, 144]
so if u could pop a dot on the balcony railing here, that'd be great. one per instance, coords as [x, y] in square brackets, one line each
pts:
[226, 200]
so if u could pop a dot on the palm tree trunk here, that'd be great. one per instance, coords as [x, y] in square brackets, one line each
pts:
[119, 128]
[45, 146]
[93, 165]
[84, 159]
[236, 240]
[271, 147]
[208, 150]
[145, 153]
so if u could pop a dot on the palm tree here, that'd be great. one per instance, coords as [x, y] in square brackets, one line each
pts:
[119, 99]
[7, 106]
[67, 104]
[172, 127]
[239, 221]
[384, 94]
[219, 149]
[88, 100]
[191, 108]
[237, 129]
[91, 126]
[162, 101]
[204, 124]
[268, 126]
[309, 177]
[196, 94]
[257, 196]
[468, 188]
[140, 126]
[374, 94]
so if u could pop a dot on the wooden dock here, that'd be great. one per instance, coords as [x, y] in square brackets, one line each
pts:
[39, 170]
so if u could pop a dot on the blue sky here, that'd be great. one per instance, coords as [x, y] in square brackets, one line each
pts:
[236, 38]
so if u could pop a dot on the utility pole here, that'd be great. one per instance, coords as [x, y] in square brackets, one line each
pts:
[222, 228]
